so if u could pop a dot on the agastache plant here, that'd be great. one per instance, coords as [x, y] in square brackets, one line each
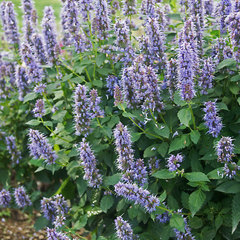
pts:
[94, 101]
[39, 109]
[39, 49]
[22, 82]
[138, 195]
[3, 15]
[172, 76]
[174, 162]
[129, 7]
[211, 118]
[28, 8]
[40, 148]
[5, 198]
[111, 81]
[52, 234]
[225, 10]
[208, 7]
[89, 163]
[12, 149]
[49, 35]
[197, 11]
[85, 7]
[123, 229]
[21, 197]
[225, 149]
[148, 7]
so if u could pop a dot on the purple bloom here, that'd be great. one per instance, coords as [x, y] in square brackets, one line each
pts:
[156, 47]
[85, 7]
[5, 198]
[81, 110]
[233, 22]
[61, 203]
[40, 148]
[218, 50]
[21, 81]
[39, 109]
[28, 8]
[186, 235]
[230, 169]
[144, 45]
[49, 34]
[148, 7]
[12, 149]
[111, 81]
[118, 98]
[236, 7]
[206, 77]
[123, 228]
[172, 76]
[138, 195]
[225, 149]
[89, 163]
[49, 208]
[21, 198]
[94, 102]
[212, 120]
[41, 88]
[3, 8]
[28, 31]
[208, 7]
[163, 218]
[129, 7]
[225, 10]
[173, 162]
[153, 164]
[161, 17]
[52, 234]
[132, 170]
[39, 49]
[102, 20]
[197, 11]
[186, 72]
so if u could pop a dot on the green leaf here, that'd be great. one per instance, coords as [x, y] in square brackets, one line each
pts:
[33, 122]
[106, 203]
[150, 151]
[98, 83]
[81, 222]
[222, 106]
[164, 174]
[227, 63]
[135, 136]
[163, 148]
[179, 143]
[196, 177]
[40, 223]
[229, 187]
[59, 116]
[235, 212]
[177, 222]
[29, 97]
[195, 135]
[215, 174]
[184, 116]
[112, 180]
[196, 200]
[235, 78]
[100, 59]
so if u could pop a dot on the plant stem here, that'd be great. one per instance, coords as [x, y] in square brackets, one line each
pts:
[193, 118]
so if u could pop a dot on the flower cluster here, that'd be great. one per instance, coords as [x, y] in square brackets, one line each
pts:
[21, 197]
[85, 7]
[94, 101]
[212, 120]
[39, 49]
[153, 164]
[123, 228]
[40, 148]
[49, 34]
[39, 109]
[225, 10]
[55, 209]
[197, 11]
[148, 7]
[140, 87]
[12, 149]
[138, 195]
[88, 161]
[5, 198]
[111, 81]
[186, 235]
[132, 170]
[173, 162]
[172, 76]
[21, 81]
[208, 7]
[129, 7]
[118, 98]
[206, 77]
[52, 234]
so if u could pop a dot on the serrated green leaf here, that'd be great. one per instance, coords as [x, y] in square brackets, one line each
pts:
[163, 148]
[112, 180]
[196, 177]
[81, 222]
[184, 116]
[150, 151]
[164, 174]
[235, 212]
[59, 116]
[215, 174]
[135, 136]
[176, 144]
[106, 203]
[177, 222]
[196, 200]
[229, 187]
[30, 96]
[227, 63]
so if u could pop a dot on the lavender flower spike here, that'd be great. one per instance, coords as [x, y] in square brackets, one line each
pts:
[21, 81]
[21, 197]
[40, 148]
[212, 120]
[172, 76]
[138, 195]
[12, 149]
[174, 162]
[124, 230]
[225, 10]
[81, 110]
[49, 209]
[111, 81]
[39, 109]
[94, 104]
[225, 149]
[102, 19]
[129, 7]
[85, 7]
[5, 198]
[89, 164]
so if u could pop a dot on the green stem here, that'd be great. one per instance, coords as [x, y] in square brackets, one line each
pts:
[90, 80]
[81, 237]
[193, 118]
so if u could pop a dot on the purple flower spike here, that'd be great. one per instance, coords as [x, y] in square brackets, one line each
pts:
[5, 198]
[52, 234]
[117, 95]
[39, 109]
[138, 195]
[111, 82]
[40, 148]
[21, 198]
[208, 7]
[85, 7]
[49, 208]
[173, 162]
[89, 164]
[12, 149]
[129, 7]
[21, 81]
[172, 76]
[94, 107]
[225, 149]
[123, 228]
[212, 120]
[148, 7]
[225, 10]
[39, 49]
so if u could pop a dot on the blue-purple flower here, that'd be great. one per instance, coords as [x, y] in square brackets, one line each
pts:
[174, 162]
[21, 197]
[224, 149]
[39, 109]
[123, 228]
[111, 81]
[129, 7]
[12, 149]
[21, 81]
[52, 234]
[5, 198]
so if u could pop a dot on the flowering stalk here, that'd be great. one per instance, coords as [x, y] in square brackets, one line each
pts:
[39, 109]
[5, 198]
[173, 162]
[12, 149]
[21, 197]
[123, 228]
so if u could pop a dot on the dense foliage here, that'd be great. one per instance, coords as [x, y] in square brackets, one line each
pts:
[127, 122]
